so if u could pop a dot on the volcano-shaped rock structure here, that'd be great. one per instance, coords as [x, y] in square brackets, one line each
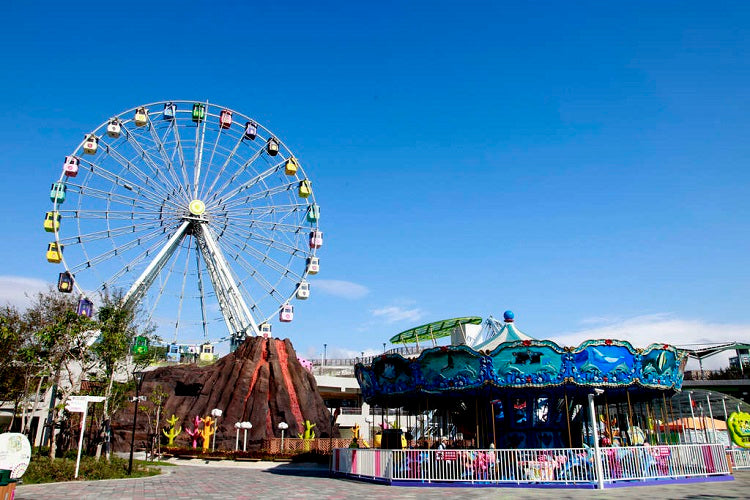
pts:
[261, 382]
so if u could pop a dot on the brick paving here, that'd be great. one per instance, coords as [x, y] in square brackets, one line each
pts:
[288, 481]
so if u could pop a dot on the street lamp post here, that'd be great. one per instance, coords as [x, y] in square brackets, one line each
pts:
[138, 378]
[325, 349]
[216, 413]
[246, 426]
[283, 426]
[237, 426]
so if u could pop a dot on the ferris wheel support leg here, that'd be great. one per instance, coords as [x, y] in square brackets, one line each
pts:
[148, 276]
[240, 320]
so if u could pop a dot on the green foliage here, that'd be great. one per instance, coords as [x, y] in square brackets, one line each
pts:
[41, 470]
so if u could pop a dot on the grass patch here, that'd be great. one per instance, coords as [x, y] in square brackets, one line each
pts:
[41, 470]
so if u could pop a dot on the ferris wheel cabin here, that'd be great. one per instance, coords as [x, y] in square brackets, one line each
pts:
[316, 239]
[272, 146]
[70, 166]
[85, 308]
[251, 131]
[199, 112]
[207, 352]
[57, 192]
[313, 265]
[290, 168]
[141, 117]
[54, 253]
[169, 111]
[286, 314]
[52, 221]
[303, 290]
[225, 119]
[140, 345]
[90, 144]
[305, 188]
[313, 213]
[173, 353]
[265, 330]
[114, 128]
[65, 282]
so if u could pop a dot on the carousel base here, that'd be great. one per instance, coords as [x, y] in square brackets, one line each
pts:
[536, 468]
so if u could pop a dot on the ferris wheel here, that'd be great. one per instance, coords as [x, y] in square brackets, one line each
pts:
[195, 211]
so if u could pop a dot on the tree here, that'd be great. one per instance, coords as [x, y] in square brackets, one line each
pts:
[63, 341]
[119, 324]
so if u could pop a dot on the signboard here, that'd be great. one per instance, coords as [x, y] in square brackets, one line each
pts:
[15, 453]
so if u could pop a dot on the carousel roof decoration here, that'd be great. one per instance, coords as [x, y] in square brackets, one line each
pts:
[519, 364]
[435, 330]
[500, 333]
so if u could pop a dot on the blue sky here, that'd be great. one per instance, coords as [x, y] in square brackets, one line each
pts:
[582, 163]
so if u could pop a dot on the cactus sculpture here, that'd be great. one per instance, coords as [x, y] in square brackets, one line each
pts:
[173, 432]
[195, 432]
[207, 431]
[309, 433]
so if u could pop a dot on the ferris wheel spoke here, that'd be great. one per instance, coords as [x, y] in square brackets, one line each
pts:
[201, 296]
[224, 165]
[117, 198]
[237, 314]
[148, 160]
[198, 155]
[240, 169]
[163, 151]
[117, 156]
[258, 277]
[109, 214]
[184, 283]
[226, 198]
[210, 162]
[164, 283]
[130, 266]
[262, 210]
[118, 250]
[144, 281]
[180, 153]
[238, 202]
[108, 233]
[270, 242]
[148, 189]
[271, 225]
[241, 246]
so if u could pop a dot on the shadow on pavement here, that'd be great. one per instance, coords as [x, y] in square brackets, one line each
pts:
[300, 470]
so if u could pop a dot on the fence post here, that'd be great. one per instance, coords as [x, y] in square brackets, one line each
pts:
[597, 451]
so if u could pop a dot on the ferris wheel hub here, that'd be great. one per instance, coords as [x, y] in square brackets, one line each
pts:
[197, 207]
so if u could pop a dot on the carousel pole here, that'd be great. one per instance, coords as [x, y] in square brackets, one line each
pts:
[692, 415]
[630, 423]
[726, 419]
[476, 420]
[711, 414]
[665, 416]
[492, 410]
[567, 419]
[606, 419]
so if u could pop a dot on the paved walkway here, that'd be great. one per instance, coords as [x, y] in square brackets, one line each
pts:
[287, 481]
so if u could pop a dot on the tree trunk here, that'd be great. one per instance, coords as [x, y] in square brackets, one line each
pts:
[105, 415]
[55, 417]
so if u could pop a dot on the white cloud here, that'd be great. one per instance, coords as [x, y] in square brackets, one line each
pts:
[340, 288]
[663, 328]
[19, 291]
[392, 314]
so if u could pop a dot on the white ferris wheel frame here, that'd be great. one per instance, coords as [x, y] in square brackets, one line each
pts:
[160, 186]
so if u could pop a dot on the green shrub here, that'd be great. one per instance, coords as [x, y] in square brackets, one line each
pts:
[41, 470]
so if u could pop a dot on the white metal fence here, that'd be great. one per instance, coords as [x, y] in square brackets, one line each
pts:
[739, 458]
[562, 466]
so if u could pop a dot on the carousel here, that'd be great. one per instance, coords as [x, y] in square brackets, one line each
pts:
[508, 390]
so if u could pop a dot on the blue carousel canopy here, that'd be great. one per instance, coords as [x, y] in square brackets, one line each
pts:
[523, 364]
